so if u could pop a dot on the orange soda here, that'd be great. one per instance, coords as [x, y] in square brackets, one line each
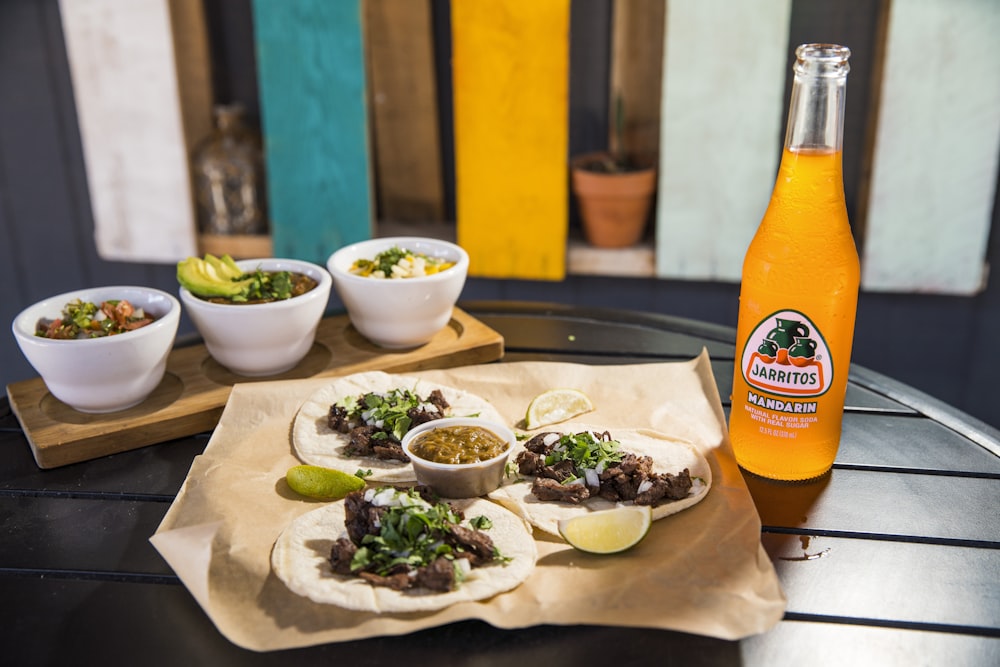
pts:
[799, 291]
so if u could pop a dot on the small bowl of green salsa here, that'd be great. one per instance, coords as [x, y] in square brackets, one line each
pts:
[459, 457]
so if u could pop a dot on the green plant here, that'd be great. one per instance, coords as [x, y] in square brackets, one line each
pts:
[614, 160]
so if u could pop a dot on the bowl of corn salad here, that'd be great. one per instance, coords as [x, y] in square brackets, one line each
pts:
[399, 291]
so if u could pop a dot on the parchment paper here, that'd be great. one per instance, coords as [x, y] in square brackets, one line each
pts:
[701, 571]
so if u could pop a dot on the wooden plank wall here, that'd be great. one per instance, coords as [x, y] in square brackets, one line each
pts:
[637, 77]
[704, 85]
[404, 110]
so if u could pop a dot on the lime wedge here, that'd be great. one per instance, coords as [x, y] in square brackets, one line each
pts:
[608, 531]
[323, 483]
[556, 405]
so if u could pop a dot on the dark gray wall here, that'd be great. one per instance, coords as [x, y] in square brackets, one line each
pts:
[945, 346]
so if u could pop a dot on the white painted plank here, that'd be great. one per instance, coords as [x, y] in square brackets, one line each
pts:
[934, 168]
[583, 259]
[721, 131]
[128, 101]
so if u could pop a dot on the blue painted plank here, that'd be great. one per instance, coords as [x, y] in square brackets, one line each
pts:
[311, 71]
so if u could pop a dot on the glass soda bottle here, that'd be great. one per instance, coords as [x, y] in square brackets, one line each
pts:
[799, 291]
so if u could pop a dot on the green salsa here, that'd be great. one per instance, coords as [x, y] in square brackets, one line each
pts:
[458, 444]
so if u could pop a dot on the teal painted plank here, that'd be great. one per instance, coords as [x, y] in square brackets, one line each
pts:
[311, 71]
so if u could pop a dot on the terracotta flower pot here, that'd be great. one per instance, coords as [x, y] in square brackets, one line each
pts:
[614, 207]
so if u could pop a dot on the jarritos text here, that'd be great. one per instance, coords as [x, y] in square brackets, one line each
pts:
[786, 355]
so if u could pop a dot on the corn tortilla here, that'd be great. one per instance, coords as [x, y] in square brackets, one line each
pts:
[669, 456]
[300, 558]
[316, 443]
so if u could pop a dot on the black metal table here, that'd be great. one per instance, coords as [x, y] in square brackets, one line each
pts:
[893, 558]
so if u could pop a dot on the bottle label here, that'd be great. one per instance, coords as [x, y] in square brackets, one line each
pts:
[786, 355]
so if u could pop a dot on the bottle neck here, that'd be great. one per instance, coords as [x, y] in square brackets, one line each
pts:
[229, 118]
[816, 109]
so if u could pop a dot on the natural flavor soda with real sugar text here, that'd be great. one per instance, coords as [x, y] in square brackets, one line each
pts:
[799, 291]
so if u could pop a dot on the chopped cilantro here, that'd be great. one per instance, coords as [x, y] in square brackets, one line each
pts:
[410, 534]
[585, 451]
[388, 411]
[265, 286]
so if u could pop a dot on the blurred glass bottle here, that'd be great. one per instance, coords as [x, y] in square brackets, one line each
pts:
[229, 177]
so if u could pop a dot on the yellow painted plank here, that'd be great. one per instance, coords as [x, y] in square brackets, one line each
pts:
[143, 98]
[937, 141]
[404, 109]
[511, 85]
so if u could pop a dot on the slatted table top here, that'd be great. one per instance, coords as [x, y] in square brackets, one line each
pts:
[893, 558]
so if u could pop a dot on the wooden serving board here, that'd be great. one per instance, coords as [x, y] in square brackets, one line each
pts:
[195, 389]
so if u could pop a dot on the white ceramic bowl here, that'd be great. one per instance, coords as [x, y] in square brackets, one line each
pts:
[403, 312]
[261, 339]
[460, 480]
[101, 374]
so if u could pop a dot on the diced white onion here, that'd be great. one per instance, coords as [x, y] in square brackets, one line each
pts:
[406, 500]
[550, 438]
[463, 566]
[645, 486]
[592, 479]
[386, 498]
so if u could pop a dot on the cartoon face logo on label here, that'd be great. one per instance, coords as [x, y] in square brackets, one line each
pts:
[786, 355]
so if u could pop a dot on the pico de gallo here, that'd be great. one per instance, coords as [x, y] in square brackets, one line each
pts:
[83, 319]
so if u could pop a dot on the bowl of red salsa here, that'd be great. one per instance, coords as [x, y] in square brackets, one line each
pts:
[102, 349]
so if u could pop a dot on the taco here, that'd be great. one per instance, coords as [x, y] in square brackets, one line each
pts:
[348, 553]
[558, 476]
[341, 427]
